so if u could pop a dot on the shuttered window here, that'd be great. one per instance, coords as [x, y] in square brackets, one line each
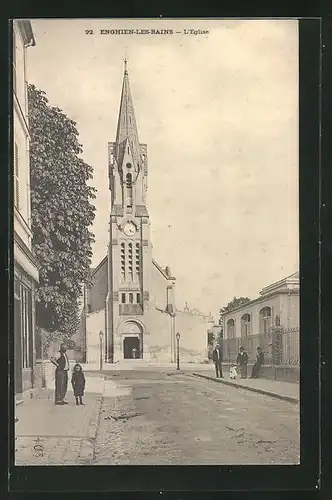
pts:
[16, 177]
[26, 326]
[14, 61]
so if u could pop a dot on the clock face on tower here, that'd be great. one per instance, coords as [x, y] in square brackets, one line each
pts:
[129, 229]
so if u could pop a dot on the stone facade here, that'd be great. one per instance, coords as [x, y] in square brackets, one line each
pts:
[132, 300]
[27, 349]
[281, 299]
[272, 322]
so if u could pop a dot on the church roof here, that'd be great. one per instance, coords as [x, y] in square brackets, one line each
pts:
[163, 271]
[93, 270]
[127, 128]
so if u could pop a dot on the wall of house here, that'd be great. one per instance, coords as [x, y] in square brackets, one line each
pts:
[284, 305]
[193, 336]
[158, 337]
[96, 295]
[22, 214]
[253, 310]
[290, 310]
[95, 322]
[158, 291]
[26, 271]
[20, 68]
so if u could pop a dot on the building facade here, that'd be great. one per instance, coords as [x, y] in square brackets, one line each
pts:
[132, 300]
[271, 321]
[25, 264]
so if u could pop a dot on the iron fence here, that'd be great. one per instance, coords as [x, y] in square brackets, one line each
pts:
[280, 346]
[290, 341]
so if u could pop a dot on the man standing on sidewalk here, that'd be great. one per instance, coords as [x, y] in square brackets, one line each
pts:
[242, 362]
[217, 356]
[61, 375]
[259, 362]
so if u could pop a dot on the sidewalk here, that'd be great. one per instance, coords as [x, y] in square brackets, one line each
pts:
[287, 391]
[141, 365]
[58, 435]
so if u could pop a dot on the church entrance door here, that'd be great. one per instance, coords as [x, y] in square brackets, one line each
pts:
[131, 348]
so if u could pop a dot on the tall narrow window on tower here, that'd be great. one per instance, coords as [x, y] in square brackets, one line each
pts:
[130, 260]
[123, 262]
[137, 259]
[129, 188]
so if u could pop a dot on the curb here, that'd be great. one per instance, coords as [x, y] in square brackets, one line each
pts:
[86, 454]
[252, 389]
[92, 430]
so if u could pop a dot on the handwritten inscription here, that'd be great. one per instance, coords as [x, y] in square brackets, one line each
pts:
[38, 449]
[194, 32]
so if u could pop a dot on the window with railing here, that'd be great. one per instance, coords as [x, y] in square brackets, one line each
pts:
[14, 61]
[230, 329]
[245, 325]
[265, 320]
[16, 176]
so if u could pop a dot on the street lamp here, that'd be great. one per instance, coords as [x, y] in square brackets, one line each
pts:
[178, 351]
[101, 335]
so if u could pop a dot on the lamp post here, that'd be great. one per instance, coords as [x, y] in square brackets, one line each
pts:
[178, 351]
[101, 335]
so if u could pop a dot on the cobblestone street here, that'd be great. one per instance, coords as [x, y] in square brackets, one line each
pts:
[159, 418]
[156, 416]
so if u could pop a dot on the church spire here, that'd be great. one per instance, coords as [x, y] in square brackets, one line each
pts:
[127, 130]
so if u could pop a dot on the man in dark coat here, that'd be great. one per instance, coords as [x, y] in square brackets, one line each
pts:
[242, 362]
[259, 362]
[217, 356]
[61, 375]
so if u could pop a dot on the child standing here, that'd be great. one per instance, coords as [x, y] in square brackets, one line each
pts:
[78, 383]
[232, 371]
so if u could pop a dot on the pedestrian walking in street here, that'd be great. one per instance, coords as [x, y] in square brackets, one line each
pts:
[78, 383]
[242, 362]
[258, 363]
[61, 375]
[217, 357]
[232, 372]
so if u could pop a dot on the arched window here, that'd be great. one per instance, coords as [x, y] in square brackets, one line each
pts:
[230, 329]
[265, 320]
[245, 325]
[129, 189]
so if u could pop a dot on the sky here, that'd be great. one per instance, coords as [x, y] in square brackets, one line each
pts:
[219, 113]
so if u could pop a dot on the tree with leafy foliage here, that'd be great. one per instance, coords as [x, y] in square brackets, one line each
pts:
[233, 304]
[61, 213]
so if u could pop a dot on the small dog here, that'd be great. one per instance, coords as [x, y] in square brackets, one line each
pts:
[232, 372]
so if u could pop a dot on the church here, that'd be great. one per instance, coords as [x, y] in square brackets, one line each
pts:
[132, 298]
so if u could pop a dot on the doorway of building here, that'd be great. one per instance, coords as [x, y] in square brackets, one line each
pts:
[131, 348]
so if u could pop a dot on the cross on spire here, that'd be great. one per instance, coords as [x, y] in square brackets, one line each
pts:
[125, 65]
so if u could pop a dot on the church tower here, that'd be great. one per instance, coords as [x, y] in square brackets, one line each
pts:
[129, 250]
[131, 312]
